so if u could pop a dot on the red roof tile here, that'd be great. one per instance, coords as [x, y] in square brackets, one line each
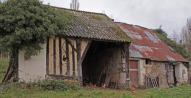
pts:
[146, 44]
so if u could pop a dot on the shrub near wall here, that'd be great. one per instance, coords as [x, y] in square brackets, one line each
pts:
[58, 85]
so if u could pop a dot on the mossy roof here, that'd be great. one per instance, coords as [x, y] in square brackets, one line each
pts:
[96, 26]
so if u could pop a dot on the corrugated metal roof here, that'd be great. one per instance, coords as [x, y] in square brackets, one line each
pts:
[146, 44]
[95, 26]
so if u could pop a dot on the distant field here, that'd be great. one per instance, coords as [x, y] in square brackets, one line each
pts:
[16, 91]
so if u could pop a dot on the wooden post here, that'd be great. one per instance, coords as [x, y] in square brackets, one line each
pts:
[126, 49]
[79, 66]
[68, 58]
[60, 55]
[54, 55]
[74, 63]
[47, 57]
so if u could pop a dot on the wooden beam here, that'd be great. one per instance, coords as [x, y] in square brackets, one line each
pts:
[47, 57]
[62, 77]
[85, 51]
[68, 59]
[70, 43]
[79, 65]
[60, 55]
[126, 49]
[74, 63]
[54, 55]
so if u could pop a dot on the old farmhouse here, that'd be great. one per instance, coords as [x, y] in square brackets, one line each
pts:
[94, 51]
[152, 62]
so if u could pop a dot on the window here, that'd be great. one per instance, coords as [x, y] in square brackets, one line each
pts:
[147, 61]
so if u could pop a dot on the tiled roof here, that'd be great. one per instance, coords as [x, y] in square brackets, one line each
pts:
[94, 26]
[146, 44]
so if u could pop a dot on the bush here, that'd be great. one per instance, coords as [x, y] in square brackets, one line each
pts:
[175, 46]
[58, 85]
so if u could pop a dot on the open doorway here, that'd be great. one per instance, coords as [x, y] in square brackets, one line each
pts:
[171, 74]
[101, 65]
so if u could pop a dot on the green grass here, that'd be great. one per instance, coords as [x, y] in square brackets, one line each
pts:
[3, 67]
[19, 92]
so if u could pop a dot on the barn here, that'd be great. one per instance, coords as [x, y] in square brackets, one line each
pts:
[94, 51]
[152, 62]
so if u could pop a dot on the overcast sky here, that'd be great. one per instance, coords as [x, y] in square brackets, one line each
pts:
[171, 14]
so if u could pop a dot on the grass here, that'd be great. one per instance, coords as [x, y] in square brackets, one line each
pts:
[19, 91]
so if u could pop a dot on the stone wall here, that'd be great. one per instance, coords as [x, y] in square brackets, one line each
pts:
[158, 69]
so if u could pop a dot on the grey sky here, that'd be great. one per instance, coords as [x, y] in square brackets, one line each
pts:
[171, 14]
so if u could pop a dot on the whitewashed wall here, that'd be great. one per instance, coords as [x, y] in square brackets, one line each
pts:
[33, 69]
[181, 73]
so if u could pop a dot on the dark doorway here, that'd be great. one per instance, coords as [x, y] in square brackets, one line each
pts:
[174, 75]
[98, 63]
[171, 74]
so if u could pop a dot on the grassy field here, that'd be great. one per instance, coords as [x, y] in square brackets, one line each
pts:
[20, 91]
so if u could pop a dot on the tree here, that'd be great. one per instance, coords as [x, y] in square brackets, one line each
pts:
[25, 25]
[186, 34]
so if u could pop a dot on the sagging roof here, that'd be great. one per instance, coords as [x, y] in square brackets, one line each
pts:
[94, 26]
[146, 44]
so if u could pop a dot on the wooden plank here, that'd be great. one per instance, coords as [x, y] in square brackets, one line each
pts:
[64, 59]
[73, 59]
[85, 51]
[76, 64]
[71, 44]
[60, 55]
[83, 46]
[54, 55]
[79, 66]
[51, 64]
[72, 51]
[68, 60]
[57, 57]
[126, 50]
[47, 57]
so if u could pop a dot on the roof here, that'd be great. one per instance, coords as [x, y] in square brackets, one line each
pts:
[94, 26]
[146, 44]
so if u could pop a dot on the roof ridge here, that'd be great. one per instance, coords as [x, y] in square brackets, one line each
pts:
[135, 25]
[78, 10]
